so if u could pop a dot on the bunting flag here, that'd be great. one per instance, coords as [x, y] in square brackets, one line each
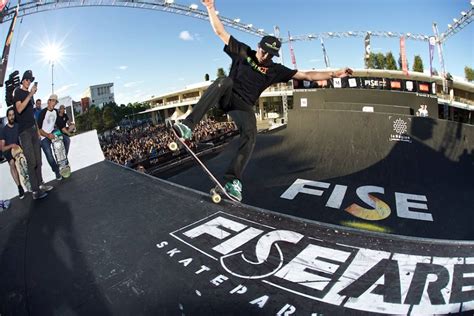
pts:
[326, 58]
[403, 55]
[3, 3]
[432, 45]
[367, 50]
[6, 48]
[292, 53]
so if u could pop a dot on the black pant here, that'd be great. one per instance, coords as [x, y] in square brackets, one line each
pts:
[220, 94]
[30, 143]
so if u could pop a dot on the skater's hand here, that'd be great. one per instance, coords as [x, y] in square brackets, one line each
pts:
[208, 3]
[344, 72]
[51, 136]
[34, 88]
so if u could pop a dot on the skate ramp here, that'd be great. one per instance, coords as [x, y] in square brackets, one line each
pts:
[391, 173]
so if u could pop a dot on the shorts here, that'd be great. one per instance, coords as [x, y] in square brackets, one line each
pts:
[8, 155]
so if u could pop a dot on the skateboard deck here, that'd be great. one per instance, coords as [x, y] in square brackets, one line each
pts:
[60, 155]
[215, 192]
[22, 167]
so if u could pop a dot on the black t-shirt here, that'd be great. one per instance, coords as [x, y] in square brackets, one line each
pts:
[61, 121]
[25, 119]
[250, 78]
[10, 134]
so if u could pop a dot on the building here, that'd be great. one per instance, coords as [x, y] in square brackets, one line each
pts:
[272, 106]
[100, 94]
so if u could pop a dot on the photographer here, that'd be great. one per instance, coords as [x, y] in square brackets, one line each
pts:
[28, 133]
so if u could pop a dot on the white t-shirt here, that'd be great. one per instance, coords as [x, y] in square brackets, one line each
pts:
[47, 120]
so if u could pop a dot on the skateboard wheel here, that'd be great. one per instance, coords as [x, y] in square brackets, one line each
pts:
[216, 198]
[173, 146]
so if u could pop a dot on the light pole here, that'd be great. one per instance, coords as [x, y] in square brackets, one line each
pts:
[52, 76]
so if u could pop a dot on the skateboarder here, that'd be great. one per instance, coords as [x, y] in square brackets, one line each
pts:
[252, 71]
[47, 122]
[8, 141]
[28, 133]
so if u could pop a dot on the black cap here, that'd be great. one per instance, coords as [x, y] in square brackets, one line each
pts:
[28, 75]
[271, 45]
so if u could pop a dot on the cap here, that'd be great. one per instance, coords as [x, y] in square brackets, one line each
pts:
[28, 75]
[271, 45]
[53, 97]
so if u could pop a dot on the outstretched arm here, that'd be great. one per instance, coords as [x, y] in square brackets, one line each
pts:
[322, 75]
[215, 22]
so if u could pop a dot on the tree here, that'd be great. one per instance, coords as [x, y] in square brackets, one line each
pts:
[206, 77]
[418, 64]
[469, 73]
[108, 117]
[371, 62]
[380, 61]
[221, 73]
[95, 115]
[83, 122]
[390, 62]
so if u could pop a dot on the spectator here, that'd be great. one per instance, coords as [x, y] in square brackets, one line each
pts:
[8, 141]
[37, 109]
[28, 133]
[48, 120]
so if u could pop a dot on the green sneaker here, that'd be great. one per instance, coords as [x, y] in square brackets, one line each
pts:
[183, 131]
[234, 189]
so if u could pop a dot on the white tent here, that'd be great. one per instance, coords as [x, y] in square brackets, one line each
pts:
[183, 116]
[176, 115]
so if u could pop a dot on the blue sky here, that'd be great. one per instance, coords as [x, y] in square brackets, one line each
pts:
[143, 54]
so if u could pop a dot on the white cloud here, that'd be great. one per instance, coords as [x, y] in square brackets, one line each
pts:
[24, 38]
[62, 90]
[122, 67]
[132, 84]
[186, 36]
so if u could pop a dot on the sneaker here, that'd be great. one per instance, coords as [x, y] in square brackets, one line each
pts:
[59, 177]
[45, 187]
[21, 192]
[183, 131]
[39, 195]
[4, 204]
[234, 189]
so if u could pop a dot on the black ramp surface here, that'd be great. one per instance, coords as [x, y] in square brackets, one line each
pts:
[388, 172]
[111, 241]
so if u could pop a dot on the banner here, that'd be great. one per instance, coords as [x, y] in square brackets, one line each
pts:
[432, 45]
[292, 53]
[326, 58]
[367, 50]
[403, 55]
[6, 48]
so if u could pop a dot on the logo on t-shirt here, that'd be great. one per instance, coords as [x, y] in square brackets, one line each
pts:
[260, 69]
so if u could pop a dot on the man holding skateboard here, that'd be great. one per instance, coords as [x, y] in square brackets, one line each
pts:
[252, 71]
[8, 142]
[47, 121]
[28, 133]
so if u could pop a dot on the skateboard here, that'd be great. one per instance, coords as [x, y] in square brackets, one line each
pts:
[22, 167]
[218, 191]
[60, 154]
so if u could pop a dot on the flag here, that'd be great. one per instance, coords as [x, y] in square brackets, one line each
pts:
[292, 53]
[432, 45]
[3, 3]
[326, 58]
[367, 50]
[403, 55]
[6, 48]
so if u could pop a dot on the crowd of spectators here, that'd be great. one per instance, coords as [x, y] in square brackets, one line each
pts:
[130, 146]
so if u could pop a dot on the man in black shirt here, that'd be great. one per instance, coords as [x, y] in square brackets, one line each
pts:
[63, 125]
[250, 74]
[28, 133]
[8, 141]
